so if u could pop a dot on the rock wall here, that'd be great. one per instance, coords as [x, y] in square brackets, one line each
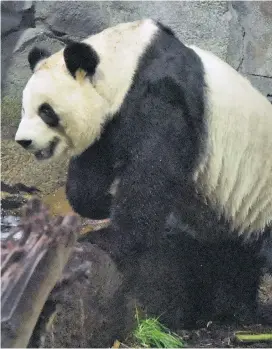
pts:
[239, 32]
[250, 42]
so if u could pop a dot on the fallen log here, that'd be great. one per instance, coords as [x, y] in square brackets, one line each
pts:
[33, 258]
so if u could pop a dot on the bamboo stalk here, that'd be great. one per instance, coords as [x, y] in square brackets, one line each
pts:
[246, 337]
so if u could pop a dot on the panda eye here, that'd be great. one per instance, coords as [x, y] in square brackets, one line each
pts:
[47, 114]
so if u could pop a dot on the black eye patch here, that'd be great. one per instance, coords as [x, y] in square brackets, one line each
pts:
[47, 114]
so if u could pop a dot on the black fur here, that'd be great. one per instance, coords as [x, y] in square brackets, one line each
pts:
[86, 190]
[153, 144]
[36, 55]
[48, 115]
[80, 55]
[165, 28]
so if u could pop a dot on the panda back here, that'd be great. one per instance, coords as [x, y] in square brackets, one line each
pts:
[235, 174]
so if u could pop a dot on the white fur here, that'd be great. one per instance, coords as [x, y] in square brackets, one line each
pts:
[83, 105]
[236, 174]
[114, 187]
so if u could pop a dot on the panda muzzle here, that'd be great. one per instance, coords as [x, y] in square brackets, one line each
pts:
[47, 152]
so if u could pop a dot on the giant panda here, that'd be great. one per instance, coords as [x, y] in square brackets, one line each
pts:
[178, 130]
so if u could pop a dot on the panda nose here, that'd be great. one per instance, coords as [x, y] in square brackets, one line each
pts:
[25, 143]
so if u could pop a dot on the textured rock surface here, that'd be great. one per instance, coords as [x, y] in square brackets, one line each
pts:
[250, 43]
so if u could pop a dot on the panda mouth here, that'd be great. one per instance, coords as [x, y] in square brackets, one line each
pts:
[47, 152]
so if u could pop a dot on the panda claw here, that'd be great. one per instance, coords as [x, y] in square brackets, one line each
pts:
[96, 224]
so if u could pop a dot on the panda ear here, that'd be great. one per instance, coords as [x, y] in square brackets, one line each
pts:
[79, 55]
[36, 55]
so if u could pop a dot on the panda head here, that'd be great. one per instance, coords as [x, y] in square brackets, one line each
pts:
[74, 92]
[61, 109]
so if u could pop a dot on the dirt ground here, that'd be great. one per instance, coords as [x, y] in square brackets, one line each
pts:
[223, 336]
